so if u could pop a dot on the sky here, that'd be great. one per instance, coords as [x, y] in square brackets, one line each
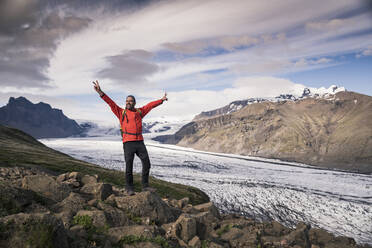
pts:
[204, 54]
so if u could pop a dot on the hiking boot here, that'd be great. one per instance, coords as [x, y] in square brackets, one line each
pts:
[130, 192]
[150, 189]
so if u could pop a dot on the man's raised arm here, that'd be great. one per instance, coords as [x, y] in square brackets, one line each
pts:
[115, 108]
[145, 109]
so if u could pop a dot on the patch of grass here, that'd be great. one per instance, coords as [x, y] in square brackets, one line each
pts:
[132, 239]
[93, 231]
[135, 219]
[83, 220]
[204, 244]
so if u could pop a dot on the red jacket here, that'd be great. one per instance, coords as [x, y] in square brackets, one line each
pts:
[131, 122]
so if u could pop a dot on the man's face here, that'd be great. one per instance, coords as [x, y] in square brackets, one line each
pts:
[130, 103]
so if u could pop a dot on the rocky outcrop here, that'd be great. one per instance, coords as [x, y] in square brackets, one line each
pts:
[333, 132]
[88, 214]
[39, 120]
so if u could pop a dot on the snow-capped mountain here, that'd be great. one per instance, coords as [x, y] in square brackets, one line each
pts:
[293, 96]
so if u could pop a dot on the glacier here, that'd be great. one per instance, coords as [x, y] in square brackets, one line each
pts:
[263, 189]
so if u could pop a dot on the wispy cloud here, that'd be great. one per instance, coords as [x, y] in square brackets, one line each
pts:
[130, 67]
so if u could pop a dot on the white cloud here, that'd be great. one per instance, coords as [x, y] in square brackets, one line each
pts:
[191, 102]
[281, 36]
[365, 52]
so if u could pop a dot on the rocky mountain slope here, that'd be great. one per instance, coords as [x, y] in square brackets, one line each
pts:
[334, 131]
[38, 209]
[40, 120]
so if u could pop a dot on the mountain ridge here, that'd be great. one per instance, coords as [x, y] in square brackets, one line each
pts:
[332, 132]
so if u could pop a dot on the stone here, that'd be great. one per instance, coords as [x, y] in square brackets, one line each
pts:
[75, 175]
[79, 231]
[182, 243]
[47, 186]
[233, 233]
[147, 204]
[205, 224]
[66, 209]
[87, 179]
[115, 217]
[299, 235]
[62, 177]
[274, 228]
[195, 242]
[74, 202]
[99, 191]
[186, 229]
[14, 200]
[208, 207]
[111, 200]
[179, 203]
[93, 202]
[29, 228]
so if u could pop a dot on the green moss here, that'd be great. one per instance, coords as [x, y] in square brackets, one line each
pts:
[96, 235]
[134, 218]
[83, 220]
[204, 244]
[132, 239]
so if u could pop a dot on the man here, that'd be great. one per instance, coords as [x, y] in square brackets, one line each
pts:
[131, 128]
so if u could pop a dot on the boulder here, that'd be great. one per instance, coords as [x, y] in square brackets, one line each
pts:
[67, 208]
[46, 186]
[205, 224]
[99, 191]
[115, 217]
[208, 207]
[147, 204]
[299, 236]
[276, 229]
[195, 242]
[33, 230]
[179, 203]
[14, 200]
[185, 227]
[88, 179]
[323, 238]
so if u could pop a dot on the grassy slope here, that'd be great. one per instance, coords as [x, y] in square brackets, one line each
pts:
[19, 149]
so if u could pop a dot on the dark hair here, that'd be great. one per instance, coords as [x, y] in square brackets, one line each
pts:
[132, 97]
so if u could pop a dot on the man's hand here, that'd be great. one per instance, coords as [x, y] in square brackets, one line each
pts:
[164, 98]
[98, 88]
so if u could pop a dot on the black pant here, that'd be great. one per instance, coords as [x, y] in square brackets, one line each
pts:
[139, 148]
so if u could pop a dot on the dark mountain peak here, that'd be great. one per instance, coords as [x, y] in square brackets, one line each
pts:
[40, 120]
[23, 101]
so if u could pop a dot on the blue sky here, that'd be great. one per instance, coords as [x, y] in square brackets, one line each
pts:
[205, 54]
